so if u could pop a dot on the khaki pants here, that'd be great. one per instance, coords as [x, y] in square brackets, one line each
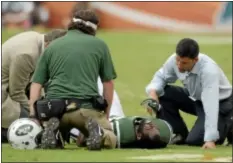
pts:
[78, 118]
[10, 111]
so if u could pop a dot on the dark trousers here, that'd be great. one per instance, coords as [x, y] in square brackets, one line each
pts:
[175, 99]
[23, 114]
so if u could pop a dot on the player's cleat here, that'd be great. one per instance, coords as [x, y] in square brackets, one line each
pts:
[50, 138]
[176, 139]
[94, 140]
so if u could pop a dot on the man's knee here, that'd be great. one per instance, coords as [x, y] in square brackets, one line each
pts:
[194, 140]
[109, 139]
[196, 135]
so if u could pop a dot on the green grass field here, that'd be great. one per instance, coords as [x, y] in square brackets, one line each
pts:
[137, 55]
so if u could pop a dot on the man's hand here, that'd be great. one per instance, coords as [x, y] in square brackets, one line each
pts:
[151, 105]
[32, 114]
[209, 145]
[35, 92]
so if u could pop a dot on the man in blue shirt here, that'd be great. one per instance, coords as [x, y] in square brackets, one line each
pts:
[207, 93]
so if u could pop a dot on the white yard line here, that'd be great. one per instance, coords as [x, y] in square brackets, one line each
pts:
[156, 21]
[182, 157]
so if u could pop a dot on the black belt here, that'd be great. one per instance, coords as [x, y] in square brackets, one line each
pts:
[68, 101]
[72, 103]
[47, 108]
[230, 97]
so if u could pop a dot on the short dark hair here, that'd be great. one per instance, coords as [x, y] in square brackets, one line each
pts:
[151, 143]
[85, 15]
[187, 48]
[54, 34]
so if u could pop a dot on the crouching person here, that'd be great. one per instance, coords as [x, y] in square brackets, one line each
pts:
[72, 65]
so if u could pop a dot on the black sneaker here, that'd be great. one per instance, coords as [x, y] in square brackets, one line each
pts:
[176, 139]
[4, 135]
[60, 140]
[50, 135]
[94, 139]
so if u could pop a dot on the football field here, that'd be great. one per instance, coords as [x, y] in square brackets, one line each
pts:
[136, 56]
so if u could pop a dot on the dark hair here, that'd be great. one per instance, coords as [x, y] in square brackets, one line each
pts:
[85, 15]
[187, 48]
[81, 5]
[148, 142]
[54, 34]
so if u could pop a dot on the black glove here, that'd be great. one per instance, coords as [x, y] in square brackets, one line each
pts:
[150, 103]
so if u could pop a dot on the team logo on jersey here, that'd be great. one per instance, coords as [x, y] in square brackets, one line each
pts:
[24, 130]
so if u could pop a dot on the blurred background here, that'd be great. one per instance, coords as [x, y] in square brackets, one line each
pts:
[196, 17]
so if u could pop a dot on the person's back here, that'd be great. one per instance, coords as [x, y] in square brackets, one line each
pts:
[208, 62]
[74, 65]
[25, 43]
[19, 56]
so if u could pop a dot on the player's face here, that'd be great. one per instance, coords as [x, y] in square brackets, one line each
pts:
[150, 129]
[185, 63]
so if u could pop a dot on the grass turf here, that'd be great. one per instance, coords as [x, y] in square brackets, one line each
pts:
[136, 55]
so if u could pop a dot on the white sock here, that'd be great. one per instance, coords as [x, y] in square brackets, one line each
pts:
[75, 132]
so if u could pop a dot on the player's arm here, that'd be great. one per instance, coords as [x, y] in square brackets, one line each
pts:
[107, 75]
[210, 100]
[19, 76]
[166, 74]
[108, 94]
[40, 77]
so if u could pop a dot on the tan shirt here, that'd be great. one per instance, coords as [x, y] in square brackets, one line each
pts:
[19, 56]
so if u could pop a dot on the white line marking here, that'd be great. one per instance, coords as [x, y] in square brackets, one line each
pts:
[183, 157]
[169, 157]
[156, 21]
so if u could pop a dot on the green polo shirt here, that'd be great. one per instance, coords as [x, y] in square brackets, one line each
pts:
[72, 64]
